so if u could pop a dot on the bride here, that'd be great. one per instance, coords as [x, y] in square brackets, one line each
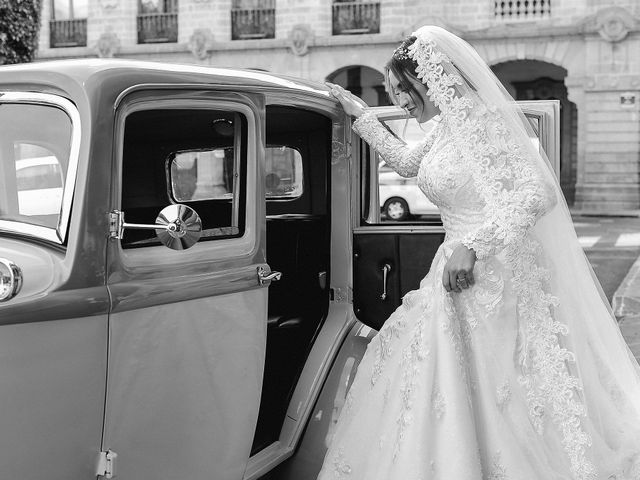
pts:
[506, 363]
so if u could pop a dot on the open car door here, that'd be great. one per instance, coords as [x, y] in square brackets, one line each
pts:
[396, 230]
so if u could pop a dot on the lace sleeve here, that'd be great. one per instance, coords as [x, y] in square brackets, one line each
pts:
[397, 154]
[516, 194]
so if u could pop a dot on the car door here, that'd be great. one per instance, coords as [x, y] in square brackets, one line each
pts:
[187, 327]
[390, 257]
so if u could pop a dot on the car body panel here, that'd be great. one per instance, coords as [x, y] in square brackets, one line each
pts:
[158, 354]
[187, 328]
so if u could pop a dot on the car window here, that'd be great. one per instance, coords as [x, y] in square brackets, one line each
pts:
[35, 145]
[284, 176]
[399, 198]
[193, 156]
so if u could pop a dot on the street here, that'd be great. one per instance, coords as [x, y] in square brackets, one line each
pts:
[612, 245]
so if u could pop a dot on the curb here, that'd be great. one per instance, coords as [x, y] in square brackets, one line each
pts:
[626, 299]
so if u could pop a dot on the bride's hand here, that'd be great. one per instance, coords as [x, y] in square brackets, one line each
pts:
[459, 265]
[351, 104]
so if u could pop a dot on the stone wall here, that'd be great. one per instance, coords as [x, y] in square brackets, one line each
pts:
[596, 41]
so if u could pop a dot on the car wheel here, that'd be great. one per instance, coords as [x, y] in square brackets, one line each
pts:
[396, 209]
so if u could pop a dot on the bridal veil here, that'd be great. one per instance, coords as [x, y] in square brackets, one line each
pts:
[579, 375]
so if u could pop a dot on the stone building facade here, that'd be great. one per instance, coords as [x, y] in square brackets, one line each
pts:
[586, 53]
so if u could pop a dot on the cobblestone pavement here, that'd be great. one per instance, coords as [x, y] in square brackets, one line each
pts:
[612, 245]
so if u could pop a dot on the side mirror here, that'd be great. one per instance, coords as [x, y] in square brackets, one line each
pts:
[182, 227]
[178, 226]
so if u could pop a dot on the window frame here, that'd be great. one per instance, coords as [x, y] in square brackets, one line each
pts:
[59, 234]
[239, 197]
[237, 169]
[161, 96]
[72, 15]
[547, 112]
[281, 198]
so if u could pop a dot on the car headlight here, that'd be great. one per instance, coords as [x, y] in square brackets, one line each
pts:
[10, 279]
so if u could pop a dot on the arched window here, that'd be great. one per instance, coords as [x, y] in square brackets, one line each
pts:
[362, 81]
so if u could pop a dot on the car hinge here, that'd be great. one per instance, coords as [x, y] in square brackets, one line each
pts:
[116, 224]
[107, 464]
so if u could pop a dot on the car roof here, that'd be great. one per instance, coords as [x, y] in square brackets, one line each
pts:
[90, 75]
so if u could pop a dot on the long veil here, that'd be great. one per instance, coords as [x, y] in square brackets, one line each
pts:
[574, 360]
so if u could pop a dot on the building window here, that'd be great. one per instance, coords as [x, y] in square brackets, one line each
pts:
[157, 21]
[354, 17]
[522, 9]
[68, 25]
[253, 19]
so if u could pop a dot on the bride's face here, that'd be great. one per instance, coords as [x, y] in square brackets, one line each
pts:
[414, 99]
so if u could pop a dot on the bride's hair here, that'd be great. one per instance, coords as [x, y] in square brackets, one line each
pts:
[403, 67]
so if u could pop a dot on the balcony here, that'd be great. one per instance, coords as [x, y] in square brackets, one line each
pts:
[522, 9]
[158, 28]
[253, 21]
[352, 18]
[68, 33]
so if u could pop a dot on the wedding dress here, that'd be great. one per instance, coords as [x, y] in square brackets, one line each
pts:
[523, 376]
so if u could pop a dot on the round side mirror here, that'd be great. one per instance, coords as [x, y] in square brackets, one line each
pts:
[182, 227]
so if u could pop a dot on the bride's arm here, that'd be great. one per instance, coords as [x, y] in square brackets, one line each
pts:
[397, 154]
[516, 195]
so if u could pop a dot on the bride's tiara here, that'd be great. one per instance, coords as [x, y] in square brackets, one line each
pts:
[402, 52]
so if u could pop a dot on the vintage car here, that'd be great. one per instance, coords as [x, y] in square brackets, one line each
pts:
[194, 299]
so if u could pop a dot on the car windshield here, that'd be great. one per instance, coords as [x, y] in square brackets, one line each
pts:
[35, 142]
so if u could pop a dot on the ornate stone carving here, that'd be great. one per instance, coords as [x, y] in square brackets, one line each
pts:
[109, 4]
[200, 43]
[613, 23]
[300, 38]
[108, 45]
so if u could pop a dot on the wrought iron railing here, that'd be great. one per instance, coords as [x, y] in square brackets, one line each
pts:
[68, 33]
[522, 9]
[356, 17]
[158, 28]
[253, 19]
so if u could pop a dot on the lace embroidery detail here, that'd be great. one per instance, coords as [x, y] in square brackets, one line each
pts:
[383, 350]
[438, 404]
[460, 335]
[397, 154]
[498, 471]
[545, 373]
[340, 466]
[515, 196]
[488, 292]
[412, 355]
[431, 71]
[503, 394]
[385, 394]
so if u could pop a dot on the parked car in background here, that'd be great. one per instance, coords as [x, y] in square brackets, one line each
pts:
[39, 184]
[192, 263]
[401, 197]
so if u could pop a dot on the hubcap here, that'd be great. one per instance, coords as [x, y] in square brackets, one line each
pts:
[395, 210]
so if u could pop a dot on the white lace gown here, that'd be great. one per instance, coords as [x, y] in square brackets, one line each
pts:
[441, 392]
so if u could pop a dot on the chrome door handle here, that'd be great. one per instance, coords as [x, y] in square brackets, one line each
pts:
[385, 271]
[266, 276]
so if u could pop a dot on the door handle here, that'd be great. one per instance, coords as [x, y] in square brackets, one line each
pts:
[266, 276]
[385, 272]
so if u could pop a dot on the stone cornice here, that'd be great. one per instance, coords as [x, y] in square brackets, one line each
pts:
[605, 82]
[612, 24]
[217, 46]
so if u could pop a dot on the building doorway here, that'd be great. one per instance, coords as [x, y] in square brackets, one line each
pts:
[365, 82]
[536, 80]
